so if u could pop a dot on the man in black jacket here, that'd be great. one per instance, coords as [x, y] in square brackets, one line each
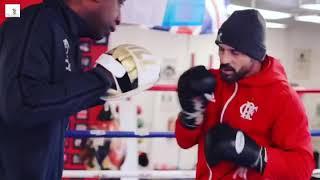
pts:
[41, 82]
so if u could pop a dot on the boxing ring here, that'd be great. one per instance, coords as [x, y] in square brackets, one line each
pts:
[148, 174]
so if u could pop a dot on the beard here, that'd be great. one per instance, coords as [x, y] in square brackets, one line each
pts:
[232, 76]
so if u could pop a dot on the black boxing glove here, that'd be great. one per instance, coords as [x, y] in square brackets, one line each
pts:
[225, 143]
[195, 90]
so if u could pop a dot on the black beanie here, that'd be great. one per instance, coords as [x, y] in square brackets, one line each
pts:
[244, 31]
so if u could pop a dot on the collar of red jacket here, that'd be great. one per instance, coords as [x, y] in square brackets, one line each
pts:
[272, 72]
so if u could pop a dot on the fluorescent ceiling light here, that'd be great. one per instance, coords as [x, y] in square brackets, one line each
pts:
[267, 14]
[275, 25]
[310, 6]
[308, 18]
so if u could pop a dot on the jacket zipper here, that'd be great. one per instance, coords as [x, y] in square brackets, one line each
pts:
[221, 118]
[228, 102]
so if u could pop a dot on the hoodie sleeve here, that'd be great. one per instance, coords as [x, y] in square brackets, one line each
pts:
[29, 94]
[185, 137]
[291, 156]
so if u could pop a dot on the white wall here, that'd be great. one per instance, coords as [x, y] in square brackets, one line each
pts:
[306, 35]
[281, 43]
[277, 45]
[203, 46]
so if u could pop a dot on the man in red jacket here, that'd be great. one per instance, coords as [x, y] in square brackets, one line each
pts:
[255, 126]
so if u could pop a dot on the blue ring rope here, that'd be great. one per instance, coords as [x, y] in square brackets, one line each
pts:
[118, 134]
[131, 134]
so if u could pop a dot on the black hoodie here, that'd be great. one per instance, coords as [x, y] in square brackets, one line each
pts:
[41, 85]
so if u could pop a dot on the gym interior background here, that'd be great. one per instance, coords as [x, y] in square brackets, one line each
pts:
[296, 43]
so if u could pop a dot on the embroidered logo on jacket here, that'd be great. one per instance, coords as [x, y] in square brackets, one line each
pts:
[67, 47]
[247, 110]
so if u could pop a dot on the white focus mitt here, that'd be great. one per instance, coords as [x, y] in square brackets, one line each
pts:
[134, 69]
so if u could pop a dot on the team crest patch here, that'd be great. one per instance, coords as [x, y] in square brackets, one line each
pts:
[247, 110]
